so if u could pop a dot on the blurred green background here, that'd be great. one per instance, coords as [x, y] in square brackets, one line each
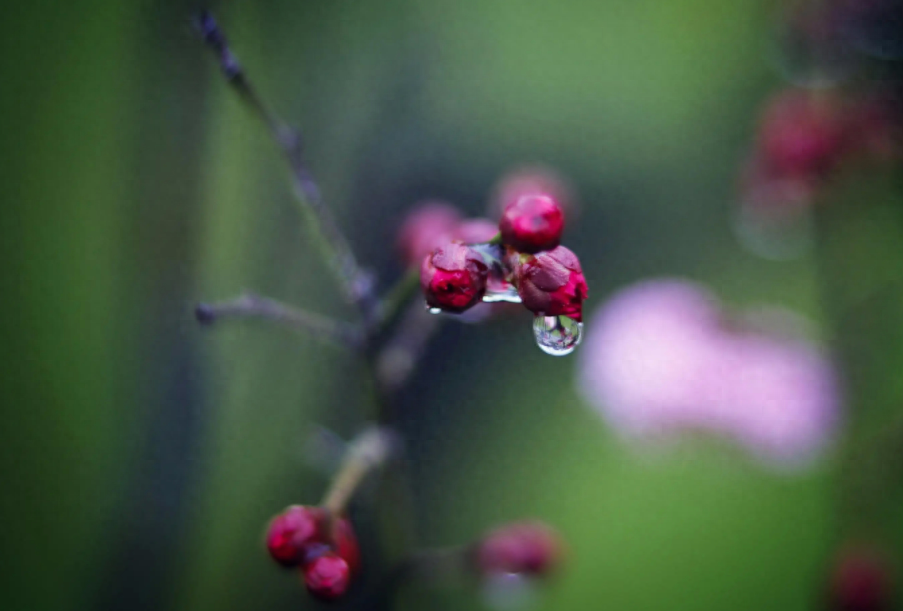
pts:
[142, 455]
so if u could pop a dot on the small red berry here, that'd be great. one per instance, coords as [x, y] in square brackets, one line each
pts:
[529, 548]
[551, 283]
[290, 532]
[453, 277]
[532, 223]
[427, 227]
[327, 576]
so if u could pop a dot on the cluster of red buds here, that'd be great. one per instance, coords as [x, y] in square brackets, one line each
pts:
[325, 548]
[519, 259]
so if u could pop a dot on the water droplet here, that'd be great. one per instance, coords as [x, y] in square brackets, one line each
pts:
[435, 310]
[501, 291]
[557, 335]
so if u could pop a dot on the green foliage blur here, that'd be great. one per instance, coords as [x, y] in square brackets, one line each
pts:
[142, 456]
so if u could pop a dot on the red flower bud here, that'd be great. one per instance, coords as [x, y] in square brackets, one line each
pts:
[291, 532]
[530, 548]
[532, 223]
[299, 535]
[327, 576]
[427, 227]
[552, 284]
[802, 136]
[453, 277]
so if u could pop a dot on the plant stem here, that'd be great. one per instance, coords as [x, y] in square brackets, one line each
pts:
[367, 452]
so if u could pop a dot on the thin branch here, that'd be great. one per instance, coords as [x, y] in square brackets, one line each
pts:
[254, 306]
[357, 284]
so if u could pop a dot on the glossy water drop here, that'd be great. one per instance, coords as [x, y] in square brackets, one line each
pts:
[557, 335]
[435, 310]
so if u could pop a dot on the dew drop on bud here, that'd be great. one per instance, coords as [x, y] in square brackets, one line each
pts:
[557, 335]
[433, 310]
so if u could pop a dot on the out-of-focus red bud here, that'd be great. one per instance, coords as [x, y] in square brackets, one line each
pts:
[427, 226]
[861, 581]
[551, 283]
[802, 135]
[533, 180]
[476, 231]
[291, 532]
[453, 277]
[300, 534]
[529, 548]
[532, 223]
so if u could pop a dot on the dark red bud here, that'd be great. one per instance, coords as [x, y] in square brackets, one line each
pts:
[529, 548]
[453, 277]
[291, 532]
[327, 576]
[551, 283]
[532, 223]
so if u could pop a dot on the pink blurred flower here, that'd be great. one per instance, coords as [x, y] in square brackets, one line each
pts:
[659, 358]
[427, 226]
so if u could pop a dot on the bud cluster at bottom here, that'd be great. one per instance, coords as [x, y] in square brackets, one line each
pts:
[325, 549]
